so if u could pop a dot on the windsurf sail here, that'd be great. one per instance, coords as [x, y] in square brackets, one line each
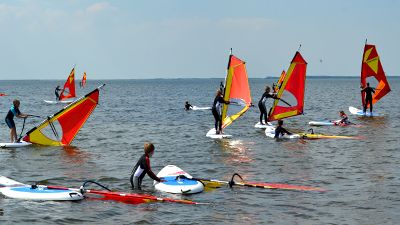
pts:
[83, 82]
[279, 84]
[291, 90]
[61, 128]
[371, 67]
[69, 87]
[236, 90]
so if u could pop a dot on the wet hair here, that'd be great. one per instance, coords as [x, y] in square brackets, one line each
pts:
[341, 112]
[367, 83]
[219, 92]
[280, 122]
[267, 88]
[148, 148]
[16, 102]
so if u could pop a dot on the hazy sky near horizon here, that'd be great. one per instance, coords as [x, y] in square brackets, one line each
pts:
[127, 39]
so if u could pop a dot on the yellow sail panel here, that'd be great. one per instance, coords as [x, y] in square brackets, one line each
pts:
[227, 92]
[62, 127]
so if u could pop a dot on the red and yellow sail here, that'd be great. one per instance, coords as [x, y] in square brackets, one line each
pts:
[279, 84]
[237, 90]
[83, 82]
[61, 128]
[371, 67]
[292, 86]
[69, 87]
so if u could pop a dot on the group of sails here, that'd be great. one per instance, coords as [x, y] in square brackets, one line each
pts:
[290, 87]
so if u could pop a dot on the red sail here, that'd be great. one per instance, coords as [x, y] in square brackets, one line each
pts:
[69, 87]
[371, 67]
[291, 90]
[61, 128]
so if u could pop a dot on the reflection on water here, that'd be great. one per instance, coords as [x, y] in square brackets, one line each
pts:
[236, 151]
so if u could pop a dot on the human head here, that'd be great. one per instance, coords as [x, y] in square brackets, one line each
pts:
[267, 89]
[16, 103]
[341, 112]
[280, 122]
[368, 84]
[219, 92]
[148, 148]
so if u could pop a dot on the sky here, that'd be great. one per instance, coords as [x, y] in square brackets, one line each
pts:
[129, 39]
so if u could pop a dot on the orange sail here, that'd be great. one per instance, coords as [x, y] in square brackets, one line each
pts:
[291, 91]
[237, 90]
[61, 128]
[83, 82]
[279, 84]
[69, 87]
[371, 67]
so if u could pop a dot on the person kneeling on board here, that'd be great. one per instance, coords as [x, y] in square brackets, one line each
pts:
[344, 119]
[216, 110]
[142, 167]
[280, 131]
[14, 111]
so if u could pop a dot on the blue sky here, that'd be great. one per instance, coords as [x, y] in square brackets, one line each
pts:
[127, 39]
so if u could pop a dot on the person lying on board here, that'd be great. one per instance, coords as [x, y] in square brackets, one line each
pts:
[188, 106]
[142, 167]
[56, 92]
[14, 111]
[262, 103]
[216, 110]
[344, 119]
[368, 97]
[280, 131]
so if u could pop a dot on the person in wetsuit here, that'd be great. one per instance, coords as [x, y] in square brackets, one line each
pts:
[14, 111]
[216, 110]
[344, 119]
[142, 167]
[56, 92]
[261, 104]
[188, 106]
[280, 131]
[368, 97]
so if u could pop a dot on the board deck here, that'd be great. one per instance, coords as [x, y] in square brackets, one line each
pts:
[359, 112]
[14, 189]
[211, 134]
[200, 108]
[58, 102]
[175, 184]
[15, 144]
[262, 126]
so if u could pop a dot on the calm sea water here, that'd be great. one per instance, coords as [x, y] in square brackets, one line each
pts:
[362, 176]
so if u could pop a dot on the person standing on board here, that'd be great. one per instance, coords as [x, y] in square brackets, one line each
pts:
[263, 100]
[216, 110]
[14, 111]
[280, 131]
[58, 89]
[188, 106]
[368, 97]
[142, 167]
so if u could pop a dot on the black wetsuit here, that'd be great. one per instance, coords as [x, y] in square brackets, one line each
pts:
[188, 106]
[368, 98]
[10, 116]
[139, 171]
[281, 131]
[262, 107]
[216, 111]
[57, 94]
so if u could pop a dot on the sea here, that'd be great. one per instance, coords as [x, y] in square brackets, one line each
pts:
[362, 176]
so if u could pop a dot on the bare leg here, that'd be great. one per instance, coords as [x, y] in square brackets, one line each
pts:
[13, 134]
